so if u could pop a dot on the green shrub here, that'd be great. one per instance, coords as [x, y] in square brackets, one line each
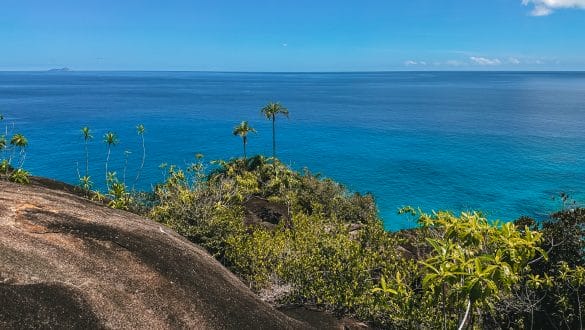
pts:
[19, 176]
[333, 252]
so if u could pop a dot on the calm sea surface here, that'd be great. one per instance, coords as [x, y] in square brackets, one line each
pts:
[504, 143]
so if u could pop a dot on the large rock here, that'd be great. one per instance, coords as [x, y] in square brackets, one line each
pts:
[66, 262]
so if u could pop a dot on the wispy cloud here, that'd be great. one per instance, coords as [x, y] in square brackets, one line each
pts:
[411, 63]
[485, 60]
[513, 60]
[547, 7]
[480, 61]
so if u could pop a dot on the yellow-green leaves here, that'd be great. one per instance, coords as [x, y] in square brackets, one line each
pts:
[474, 260]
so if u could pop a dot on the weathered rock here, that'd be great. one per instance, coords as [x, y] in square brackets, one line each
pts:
[260, 211]
[66, 262]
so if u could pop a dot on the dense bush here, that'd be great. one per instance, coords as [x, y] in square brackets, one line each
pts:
[331, 250]
[551, 296]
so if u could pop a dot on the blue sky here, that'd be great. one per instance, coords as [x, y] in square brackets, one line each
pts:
[299, 35]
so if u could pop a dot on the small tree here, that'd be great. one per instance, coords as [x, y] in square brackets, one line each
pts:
[140, 130]
[111, 139]
[242, 131]
[86, 133]
[20, 141]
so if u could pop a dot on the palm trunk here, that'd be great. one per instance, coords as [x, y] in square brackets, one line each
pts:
[273, 145]
[22, 157]
[86, 160]
[125, 167]
[141, 164]
[244, 141]
[273, 139]
[12, 154]
[107, 160]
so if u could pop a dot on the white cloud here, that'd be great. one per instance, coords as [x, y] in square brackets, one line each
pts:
[485, 61]
[513, 60]
[411, 63]
[546, 7]
[541, 11]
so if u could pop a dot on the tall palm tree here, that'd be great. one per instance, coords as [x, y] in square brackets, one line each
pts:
[242, 131]
[140, 130]
[20, 141]
[271, 110]
[111, 139]
[86, 132]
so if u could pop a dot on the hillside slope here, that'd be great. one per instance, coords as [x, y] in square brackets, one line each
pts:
[67, 262]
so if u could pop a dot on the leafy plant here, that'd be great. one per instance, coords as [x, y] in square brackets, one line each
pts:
[86, 184]
[20, 176]
[118, 195]
[20, 142]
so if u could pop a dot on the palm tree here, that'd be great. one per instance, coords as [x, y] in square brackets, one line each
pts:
[86, 132]
[20, 142]
[140, 130]
[271, 110]
[110, 139]
[242, 131]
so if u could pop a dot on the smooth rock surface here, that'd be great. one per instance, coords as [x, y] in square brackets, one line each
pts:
[66, 262]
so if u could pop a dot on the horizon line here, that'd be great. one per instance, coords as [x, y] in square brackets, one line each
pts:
[57, 71]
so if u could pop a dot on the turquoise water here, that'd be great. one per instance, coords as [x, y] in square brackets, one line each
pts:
[505, 143]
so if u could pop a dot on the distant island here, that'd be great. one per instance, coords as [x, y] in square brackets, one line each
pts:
[60, 70]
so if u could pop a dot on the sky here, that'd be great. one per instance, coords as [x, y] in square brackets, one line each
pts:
[292, 35]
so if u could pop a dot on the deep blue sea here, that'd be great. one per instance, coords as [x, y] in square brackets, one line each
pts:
[504, 143]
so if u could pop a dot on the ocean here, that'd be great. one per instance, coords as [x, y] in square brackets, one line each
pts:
[505, 143]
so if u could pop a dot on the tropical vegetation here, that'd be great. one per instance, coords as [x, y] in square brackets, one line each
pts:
[329, 249]
[9, 146]
[295, 237]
